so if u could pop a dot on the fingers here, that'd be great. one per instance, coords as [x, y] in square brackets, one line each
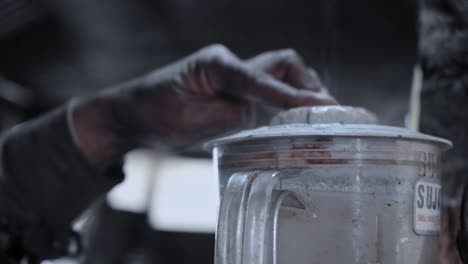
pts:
[287, 66]
[215, 116]
[261, 87]
[275, 60]
[228, 75]
[313, 81]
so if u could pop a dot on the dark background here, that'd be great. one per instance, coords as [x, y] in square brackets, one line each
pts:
[364, 49]
[52, 50]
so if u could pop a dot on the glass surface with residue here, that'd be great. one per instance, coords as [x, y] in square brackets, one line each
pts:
[328, 199]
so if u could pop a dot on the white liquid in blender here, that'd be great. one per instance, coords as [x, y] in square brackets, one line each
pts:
[350, 227]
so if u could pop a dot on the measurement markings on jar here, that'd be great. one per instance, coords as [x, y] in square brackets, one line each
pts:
[427, 201]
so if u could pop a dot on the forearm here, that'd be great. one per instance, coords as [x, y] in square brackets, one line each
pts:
[47, 182]
[107, 125]
[96, 127]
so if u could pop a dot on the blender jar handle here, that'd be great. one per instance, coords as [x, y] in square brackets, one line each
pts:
[259, 244]
[248, 216]
[230, 230]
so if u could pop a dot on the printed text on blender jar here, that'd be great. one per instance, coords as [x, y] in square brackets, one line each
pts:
[428, 164]
[427, 201]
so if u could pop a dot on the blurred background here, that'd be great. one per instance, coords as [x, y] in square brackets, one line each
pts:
[165, 211]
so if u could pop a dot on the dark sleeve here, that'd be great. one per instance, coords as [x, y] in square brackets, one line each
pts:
[45, 183]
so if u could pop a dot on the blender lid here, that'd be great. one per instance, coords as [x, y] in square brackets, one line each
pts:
[329, 129]
[334, 121]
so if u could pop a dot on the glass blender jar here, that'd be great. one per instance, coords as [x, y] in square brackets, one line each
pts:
[324, 189]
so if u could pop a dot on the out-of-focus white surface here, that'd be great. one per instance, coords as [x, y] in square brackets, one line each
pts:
[179, 194]
[133, 193]
[60, 261]
[185, 196]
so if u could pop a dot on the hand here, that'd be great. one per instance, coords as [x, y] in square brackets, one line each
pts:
[202, 96]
